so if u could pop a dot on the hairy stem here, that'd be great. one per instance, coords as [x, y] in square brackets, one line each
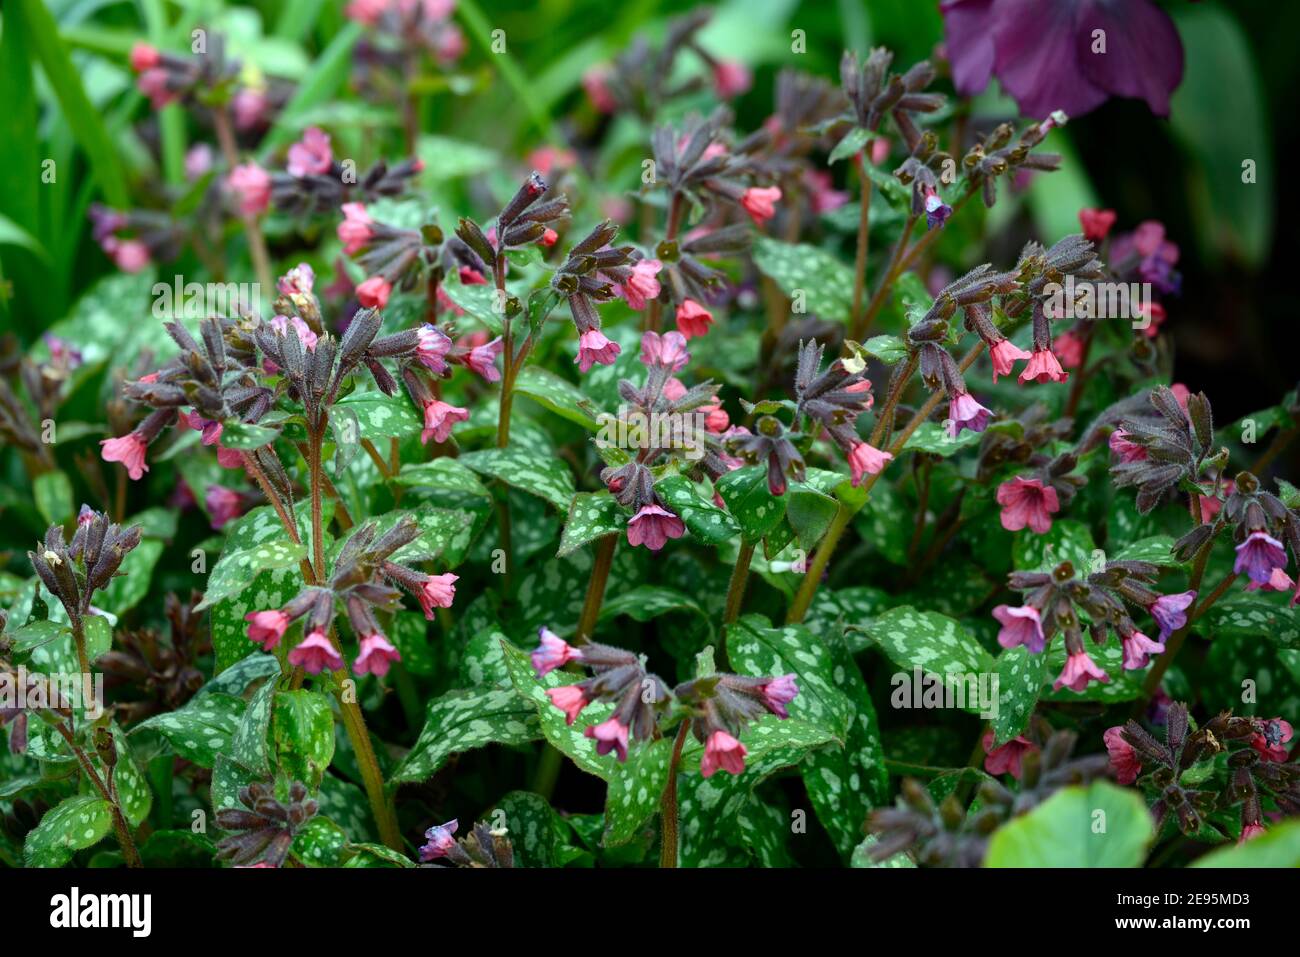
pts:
[121, 829]
[668, 803]
[739, 576]
[603, 562]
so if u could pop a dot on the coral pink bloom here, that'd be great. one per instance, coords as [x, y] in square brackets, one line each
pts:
[354, 232]
[1250, 831]
[1020, 626]
[693, 319]
[821, 195]
[439, 417]
[1069, 349]
[570, 699]
[368, 12]
[144, 57]
[1096, 223]
[311, 155]
[131, 255]
[431, 348]
[251, 185]
[731, 79]
[1278, 581]
[129, 450]
[549, 238]
[266, 627]
[1122, 756]
[1004, 353]
[1258, 556]
[552, 652]
[438, 591]
[1078, 671]
[595, 83]
[250, 108]
[154, 83]
[1006, 758]
[377, 655]
[1155, 315]
[779, 692]
[1271, 738]
[642, 284]
[674, 389]
[609, 736]
[724, 752]
[716, 419]
[1027, 502]
[668, 350]
[1043, 367]
[483, 359]
[1138, 649]
[1125, 450]
[314, 654]
[469, 276]
[965, 413]
[652, 526]
[760, 202]
[595, 349]
[374, 292]
[865, 459]
[223, 504]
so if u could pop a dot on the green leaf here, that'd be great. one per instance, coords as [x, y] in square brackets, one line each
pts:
[131, 583]
[646, 602]
[888, 349]
[245, 436]
[935, 643]
[547, 478]
[249, 746]
[464, 720]
[933, 438]
[1278, 846]
[446, 158]
[202, 729]
[1020, 681]
[592, 515]
[1098, 826]
[810, 513]
[53, 494]
[1155, 549]
[750, 502]
[1123, 685]
[1252, 614]
[381, 417]
[132, 789]
[533, 827]
[634, 791]
[302, 727]
[808, 275]
[236, 570]
[850, 144]
[479, 302]
[346, 429]
[703, 519]
[320, 843]
[862, 856]
[559, 395]
[1067, 540]
[74, 824]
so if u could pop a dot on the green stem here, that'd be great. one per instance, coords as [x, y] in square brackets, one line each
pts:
[603, 562]
[121, 830]
[739, 576]
[668, 803]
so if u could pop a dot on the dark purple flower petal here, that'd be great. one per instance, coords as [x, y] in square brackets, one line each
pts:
[968, 36]
[1143, 58]
[1036, 58]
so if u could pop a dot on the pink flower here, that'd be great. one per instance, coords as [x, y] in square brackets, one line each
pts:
[642, 284]
[1126, 451]
[311, 155]
[374, 292]
[865, 459]
[595, 82]
[440, 836]
[730, 79]
[1270, 737]
[965, 413]
[1096, 223]
[594, 349]
[144, 57]
[693, 319]
[250, 108]
[652, 526]
[198, 160]
[252, 186]
[552, 652]
[314, 654]
[1042, 367]
[482, 359]
[469, 276]
[129, 450]
[298, 281]
[432, 346]
[1004, 353]
[1138, 649]
[821, 195]
[450, 44]
[674, 389]
[1257, 556]
[155, 84]
[722, 751]
[439, 417]
[438, 591]
[1069, 349]
[936, 210]
[779, 692]
[549, 238]
[1155, 315]
[223, 504]
[377, 654]
[1278, 581]
[546, 158]
[716, 419]
[570, 699]
[1027, 502]
[668, 350]
[266, 627]
[282, 325]
[1122, 756]
[609, 736]
[1020, 626]
[1250, 831]
[760, 202]
[1170, 612]
[131, 255]
[1006, 758]
[1078, 671]
[355, 231]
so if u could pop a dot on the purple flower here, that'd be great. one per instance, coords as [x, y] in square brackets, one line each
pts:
[965, 413]
[440, 841]
[552, 652]
[1170, 612]
[1258, 555]
[1020, 626]
[1049, 56]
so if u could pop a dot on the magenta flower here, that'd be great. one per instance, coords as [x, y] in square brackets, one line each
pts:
[595, 349]
[432, 346]
[282, 325]
[965, 413]
[570, 699]
[822, 195]
[1045, 54]
[668, 350]
[438, 591]
[1043, 366]
[482, 359]
[250, 108]
[724, 752]
[266, 627]
[223, 504]
[373, 293]
[1138, 649]
[1069, 349]
[1096, 223]
[1126, 451]
[1278, 581]
[1027, 502]
[652, 526]
[1148, 255]
[439, 417]
[865, 459]
[552, 652]
[354, 232]
[156, 85]
[440, 836]
[716, 419]
[760, 202]
[129, 450]
[642, 284]
[1078, 671]
[315, 653]
[1170, 612]
[251, 185]
[1250, 831]
[595, 83]
[1270, 739]
[1122, 756]
[730, 79]
[131, 255]
[144, 57]
[1257, 556]
[1020, 626]
[1006, 758]
[779, 692]
[297, 282]
[1004, 352]
[609, 736]
[936, 210]
[311, 155]
[377, 655]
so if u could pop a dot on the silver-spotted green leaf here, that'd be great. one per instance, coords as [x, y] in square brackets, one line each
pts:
[1063, 832]
[462, 720]
[559, 395]
[809, 513]
[202, 729]
[548, 478]
[382, 417]
[1067, 540]
[228, 776]
[702, 517]
[835, 611]
[635, 789]
[1253, 614]
[850, 144]
[749, 501]
[409, 633]
[532, 825]
[932, 437]
[483, 662]
[374, 855]
[935, 643]
[236, 570]
[320, 843]
[132, 789]
[592, 515]
[1020, 682]
[446, 476]
[479, 301]
[74, 824]
[249, 746]
[229, 629]
[862, 856]
[347, 805]
[131, 584]
[52, 492]
[888, 349]
[245, 437]
[302, 728]
[824, 283]
[1155, 549]
[345, 427]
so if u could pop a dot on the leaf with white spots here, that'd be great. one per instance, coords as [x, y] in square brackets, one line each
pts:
[382, 417]
[302, 729]
[533, 827]
[559, 395]
[824, 283]
[249, 745]
[1020, 682]
[935, 643]
[236, 679]
[320, 843]
[702, 518]
[133, 791]
[862, 856]
[1123, 685]
[74, 824]
[540, 475]
[1253, 614]
[635, 789]
[1067, 540]
[932, 437]
[750, 502]
[202, 729]
[235, 570]
[1156, 549]
[463, 720]
[592, 515]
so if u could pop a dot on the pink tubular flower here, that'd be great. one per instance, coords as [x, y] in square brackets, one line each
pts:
[1126, 451]
[298, 281]
[549, 238]
[642, 284]
[1278, 581]
[595, 83]
[131, 255]
[965, 413]
[1020, 626]
[716, 419]
[250, 107]
[552, 652]
[251, 185]
[311, 155]
[153, 83]
[354, 232]
[469, 276]
[652, 526]
[482, 359]
[1170, 612]
[1078, 671]
[439, 417]
[1027, 502]
[440, 836]
[570, 699]
[778, 693]
[144, 57]
[1270, 739]
[282, 325]
[1122, 756]
[377, 655]
[822, 196]
[1006, 758]
[1257, 556]
[722, 751]
[266, 627]
[432, 346]
[438, 591]
[1138, 649]
[374, 292]
[730, 79]
[223, 504]
[1043, 366]
[865, 459]
[1003, 353]
[760, 202]
[668, 350]
[1250, 831]
[1096, 223]
[693, 319]
[674, 389]
[1069, 349]
[314, 654]
[129, 450]
[609, 736]
[595, 349]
